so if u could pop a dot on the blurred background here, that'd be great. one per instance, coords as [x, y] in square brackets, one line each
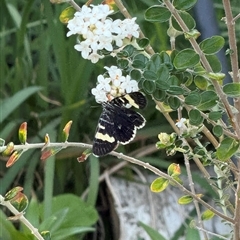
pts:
[46, 83]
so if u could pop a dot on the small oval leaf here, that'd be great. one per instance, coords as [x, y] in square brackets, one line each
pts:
[195, 117]
[227, 148]
[184, 4]
[232, 89]
[67, 14]
[215, 115]
[149, 86]
[159, 184]
[186, 59]
[157, 14]
[217, 131]
[185, 199]
[212, 45]
[174, 103]
[193, 98]
[209, 100]
[201, 82]
[207, 215]
[188, 20]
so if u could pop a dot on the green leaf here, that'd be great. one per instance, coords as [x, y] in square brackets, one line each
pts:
[156, 60]
[217, 131]
[93, 180]
[215, 115]
[174, 103]
[143, 42]
[187, 58]
[67, 14]
[159, 184]
[8, 231]
[46, 235]
[165, 58]
[10, 104]
[20, 202]
[188, 20]
[227, 148]
[153, 234]
[175, 90]
[216, 76]
[136, 75]
[187, 78]
[195, 117]
[194, 98]
[185, 199]
[201, 82]
[163, 72]
[65, 233]
[199, 70]
[149, 86]
[129, 49]
[212, 45]
[192, 233]
[232, 89]
[157, 14]
[159, 95]
[214, 63]
[184, 4]
[174, 81]
[122, 63]
[162, 85]
[139, 61]
[209, 100]
[207, 215]
[12, 193]
[67, 211]
[150, 75]
[174, 170]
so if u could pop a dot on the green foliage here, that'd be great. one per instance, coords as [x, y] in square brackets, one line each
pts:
[64, 221]
[45, 83]
[208, 214]
[153, 234]
[232, 89]
[10, 104]
[157, 14]
[185, 200]
[159, 185]
[212, 45]
[186, 58]
[227, 148]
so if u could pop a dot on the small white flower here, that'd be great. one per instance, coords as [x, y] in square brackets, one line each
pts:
[100, 95]
[84, 48]
[104, 83]
[181, 123]
[130, 85]
[94, 57]
[99, 31]
[113, 85]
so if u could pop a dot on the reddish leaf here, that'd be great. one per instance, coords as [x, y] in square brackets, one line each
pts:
[14, 157]
[12, 193]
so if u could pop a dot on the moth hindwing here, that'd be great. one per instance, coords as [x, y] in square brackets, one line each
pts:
[117, 123]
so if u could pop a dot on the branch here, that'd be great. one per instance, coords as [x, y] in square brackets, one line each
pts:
[207, 66]
[20, 217]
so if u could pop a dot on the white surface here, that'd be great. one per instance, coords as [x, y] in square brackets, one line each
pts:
[135, 202]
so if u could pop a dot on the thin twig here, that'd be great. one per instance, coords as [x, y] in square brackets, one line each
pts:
[207, 66]
[20, 217]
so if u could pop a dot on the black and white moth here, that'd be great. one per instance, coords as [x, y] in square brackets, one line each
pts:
[118, 123]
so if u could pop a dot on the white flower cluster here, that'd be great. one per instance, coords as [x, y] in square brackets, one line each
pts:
[114, 85]
[98, 32]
